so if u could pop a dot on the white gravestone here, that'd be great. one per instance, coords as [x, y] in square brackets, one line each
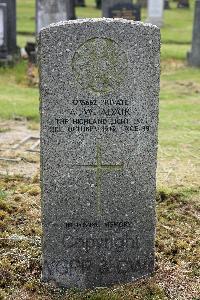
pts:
[50, 11]
[155, 12]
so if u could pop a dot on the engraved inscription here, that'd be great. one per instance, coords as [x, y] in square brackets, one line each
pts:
[100, 65]
[102, 266]
[87, 244]
[107, 116]
[95, 224]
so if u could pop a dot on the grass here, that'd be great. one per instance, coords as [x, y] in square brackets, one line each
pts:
[174, 51]
[17, 98]
[177, 22]
[176, 248]
[26, 16]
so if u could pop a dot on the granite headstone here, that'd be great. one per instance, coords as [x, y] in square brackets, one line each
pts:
[99, 90]
[50, 11]
[8, 44]
[107, 4]
[155, 12]
[194, 55]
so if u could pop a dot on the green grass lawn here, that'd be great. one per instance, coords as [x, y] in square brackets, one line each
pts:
[26, 16]
[177, 22]
[17, 99]
[176, 32]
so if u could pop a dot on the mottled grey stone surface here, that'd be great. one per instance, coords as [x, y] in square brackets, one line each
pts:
[99, 87]
[194, 55]
[107, 4]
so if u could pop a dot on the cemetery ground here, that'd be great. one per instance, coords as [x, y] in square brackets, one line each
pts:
[177, 254]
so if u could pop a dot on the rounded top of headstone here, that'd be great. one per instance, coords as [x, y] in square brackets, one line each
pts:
[101, 20]
[98, 49]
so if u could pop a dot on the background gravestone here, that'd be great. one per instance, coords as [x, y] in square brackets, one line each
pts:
[194, 55]
[8, 44]
[3, 30]
[80, 2]
[99, 86]
[98, 4]
[107, 4]
[183, 4]
[125, 11]
[155, 12]
[166, 4]
[142, 3]
[71, 15]
[51, 11]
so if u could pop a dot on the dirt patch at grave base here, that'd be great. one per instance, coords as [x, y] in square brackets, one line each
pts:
[177, 284]
[170, 65]
[16, 159]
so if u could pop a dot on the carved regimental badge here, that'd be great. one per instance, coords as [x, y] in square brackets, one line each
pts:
[100, 65]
